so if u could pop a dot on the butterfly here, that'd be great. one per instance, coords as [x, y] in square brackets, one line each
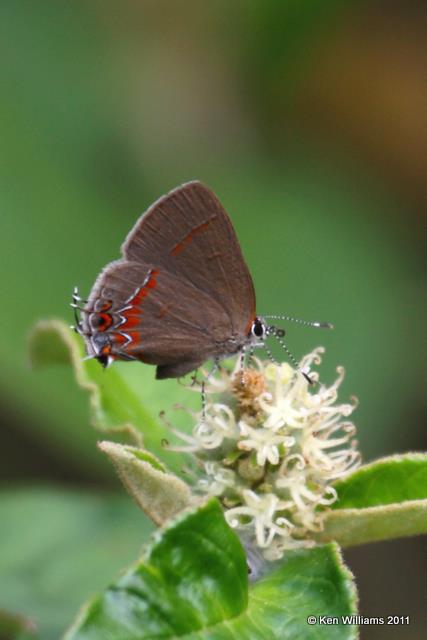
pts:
[181, 293]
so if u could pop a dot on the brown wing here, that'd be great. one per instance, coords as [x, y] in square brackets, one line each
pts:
[154, 316]
[188, 233]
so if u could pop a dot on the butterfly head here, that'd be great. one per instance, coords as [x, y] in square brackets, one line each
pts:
[261, 330]
[258, 331]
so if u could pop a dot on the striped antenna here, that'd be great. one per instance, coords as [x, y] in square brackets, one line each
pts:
[278, 334]
[269, 354]
[306, 323]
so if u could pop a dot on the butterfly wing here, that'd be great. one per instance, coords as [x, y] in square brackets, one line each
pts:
[182, 292]
[140, 311]
[188, 233]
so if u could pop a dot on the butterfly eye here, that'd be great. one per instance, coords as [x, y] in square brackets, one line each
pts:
[258, 329]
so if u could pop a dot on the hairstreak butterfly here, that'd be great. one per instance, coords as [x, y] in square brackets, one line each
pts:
[180, 295]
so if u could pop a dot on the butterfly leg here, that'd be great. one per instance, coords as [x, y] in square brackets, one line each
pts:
[194, 382]
[241, 370]
[203, 395]
[251, 353]
[216, 367]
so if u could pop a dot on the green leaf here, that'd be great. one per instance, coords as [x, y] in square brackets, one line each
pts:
[125, 399]
[350, 527]
[383, 500]
[57, 548]
[309, 582]
[386, 481]
[160, 494]
[52, 342]
[193, 582]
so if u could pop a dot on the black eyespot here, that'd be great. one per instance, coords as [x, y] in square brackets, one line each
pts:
[97, 321]
[258, 329]
[100, 321]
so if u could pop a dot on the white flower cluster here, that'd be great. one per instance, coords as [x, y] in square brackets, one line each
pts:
[271, 449]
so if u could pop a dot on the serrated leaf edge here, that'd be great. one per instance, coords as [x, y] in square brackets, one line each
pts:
[82, 379]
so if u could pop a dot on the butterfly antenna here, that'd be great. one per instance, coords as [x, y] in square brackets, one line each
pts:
[278, 334]
[269, 354]
[306, 323]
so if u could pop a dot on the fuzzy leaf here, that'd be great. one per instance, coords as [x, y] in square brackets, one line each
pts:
[386, 481]
[380, 501]
[193, 582]
[160, 494]
[350, 527]
[125, 399]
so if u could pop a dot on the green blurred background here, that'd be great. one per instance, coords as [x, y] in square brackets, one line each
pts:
[308, 119]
